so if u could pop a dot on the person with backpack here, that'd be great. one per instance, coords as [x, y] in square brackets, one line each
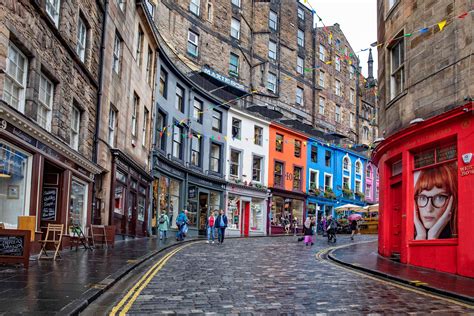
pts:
[181, 222]
[163, 224]
[331, 229]
[211, 227]
[308, 229]
[221, 225]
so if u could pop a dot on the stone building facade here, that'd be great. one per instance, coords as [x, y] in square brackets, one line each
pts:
[49, 65]
[127, 102]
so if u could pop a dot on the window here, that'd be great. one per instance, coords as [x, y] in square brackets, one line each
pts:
[117, 53]
[327, 181]
[358, 186]
[197, 110]
[236, 127]
[193, 43]
[216, 121]
[300, 38]
[346, 164]
[321, 78]
[322, 102]
[299, 96]
[196, 150]
[358, 167]
[138, 54]
[279, 143]
[272, 50]
[257, 169]
[258, 135]
[177, 142]
[161, 125]
[397, 55]
[136, 103]
[81, 40]
[122, 4]
[278, 174]
[45, 106]
[194, 6]
[234, 163]
[368, 190]
[78, 203]
[313, 180]
[300, 65]
[145, 126]
[365, 133]
[234, 65]
[391, 3]
[151, 7]
[368, 172]
[346, 183]
[75, 126]
[235, 28]
[236, 3]
[322, 53]
[338, 87]
[149, 66]
[273, 21]
[301, 14]
[272, 82]
[163, 82]
[297, 148]
[209, 12]
[297, 178]
[327, 158]
[338, 113]
[113, 124]
[351, 72]
[15, 78]
[314, 154]
[338, 63]
[351, 120]
[215, 158]
[52, 8]
[351, 96]
[179, 101]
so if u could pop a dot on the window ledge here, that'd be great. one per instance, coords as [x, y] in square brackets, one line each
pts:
[394, 100]
[434, 242]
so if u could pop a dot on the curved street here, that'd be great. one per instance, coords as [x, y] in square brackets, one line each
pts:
[261, 276]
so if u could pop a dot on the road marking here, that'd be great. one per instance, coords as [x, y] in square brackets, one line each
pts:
[384, 281]
[143, 282]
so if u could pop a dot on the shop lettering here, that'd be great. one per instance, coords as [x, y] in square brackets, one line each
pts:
[23, 136]
[223, 78]
[466, 171]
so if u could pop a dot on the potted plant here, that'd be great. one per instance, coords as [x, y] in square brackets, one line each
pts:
[346, 192]
[314, 189]
[329, 194]
[360, 195]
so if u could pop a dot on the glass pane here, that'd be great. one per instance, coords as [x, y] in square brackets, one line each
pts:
[446, 153]
[425, 158]
[78, 204]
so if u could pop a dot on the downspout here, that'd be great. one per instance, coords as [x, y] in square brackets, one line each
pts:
[357, 102]
[313, 110]
[95, 147]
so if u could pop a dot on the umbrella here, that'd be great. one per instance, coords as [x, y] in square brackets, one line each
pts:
[348, 207]
[354, 217]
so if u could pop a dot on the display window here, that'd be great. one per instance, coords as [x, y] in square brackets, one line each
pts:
[120, 192]
[233, 211]
[169, 193]
[15, 183]
[141, 208]
[435, 193]
[78, 204]
[278, 204]
[256, 215]
[297, 207]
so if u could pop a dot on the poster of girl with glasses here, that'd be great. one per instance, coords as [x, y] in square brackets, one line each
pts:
[436, 202]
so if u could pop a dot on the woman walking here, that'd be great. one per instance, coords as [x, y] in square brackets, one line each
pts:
[163, 225]
[308, 231]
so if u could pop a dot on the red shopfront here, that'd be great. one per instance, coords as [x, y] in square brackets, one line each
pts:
[426, 193]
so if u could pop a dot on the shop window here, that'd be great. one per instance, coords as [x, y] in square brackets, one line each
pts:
[169, 193]
[297, 148]
[233, 211]
[214, 200]
[236, 128]
[279, 143]
[234, 163]
[256, 215]
[15, 178]
[198, 111]
[257, 169]
[78, 204]
[15, 78]
[141, 208]
[314, 154]
[215, 158]
[258, 135]
[278, 174]
[278, 205]
[119, 199]
[297, 207]
[297, 185]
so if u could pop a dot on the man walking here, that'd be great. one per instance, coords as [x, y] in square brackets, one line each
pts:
[221, 225]
[163, 224]
[181, 222]
[211, 227]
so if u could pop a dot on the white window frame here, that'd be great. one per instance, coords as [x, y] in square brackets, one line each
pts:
[348, 159]
[117, 53]
[122, 4]
[236, 3]
[140, 40]
[53, 8]
[193, 42]
[194, 6]
[261, 168]
[338, 114]
[391, 4]
[273, 20]
[337, 87]
[177, 142]
[11, 75]
[232, 163]
[300, 38]
[75, 127]
[358, 164]
[300, 13]
[331, 181]
[365, 133]
[348, 181]
[322, 52]
[272, 82]
[357, 181]
[272, 50]
[112, 126]
[46, 89]
[351, 72]
[299, 96]
[300, 65]
[322, 105]
[258, 140]
[322, 77]
[311, 171]
[235, 28]
[81, 39]
[237, 123]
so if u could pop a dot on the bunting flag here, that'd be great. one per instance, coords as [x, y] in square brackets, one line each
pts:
[441, 25]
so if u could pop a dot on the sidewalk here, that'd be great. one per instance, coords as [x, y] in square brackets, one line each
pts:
[364, 256]
[66, 285]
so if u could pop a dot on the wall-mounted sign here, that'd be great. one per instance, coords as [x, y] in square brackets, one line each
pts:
[192, 192]
[467, 170]
[466, 158]
[223, 79]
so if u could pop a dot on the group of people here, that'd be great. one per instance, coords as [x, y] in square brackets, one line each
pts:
[328, 226]
[216, 222]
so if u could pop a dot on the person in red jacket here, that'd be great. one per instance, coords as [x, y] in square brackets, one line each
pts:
[211, 227]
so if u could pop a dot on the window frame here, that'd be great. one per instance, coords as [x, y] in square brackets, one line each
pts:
[279, 148]
[297, 149]
[234, 68]
[295, 180]
[322, 105]
[43, 104]
[337, 87]
[394, 92]
[326, 156]
[260, 169]
[21, 86]
[311, 172]
[163, 88]
[149, 66]
[271, 83]
[219, 159]
[178, 140]
[81, 44]
[196, 4]
[146, 114]
[180, 95]
[338, 114]
[193, 44]
[322, 52]
[300, 13]
[235, 28]
[135, 106]
[337, 64]
[358, 165]
[235, 164]
[258, 136]
[112, 126]
[198, 110]
[139, 48]
[314, 150]
[299, 96]
[75, 130]
[272, 54]
[331, 181]
[117, 53]
[195, 136]
[282, 175]
[322, 78]
[273, 23]
[237, 125]
[237, 3]
[217, 119]
[300, 65]
[53, 10]
[300, 38]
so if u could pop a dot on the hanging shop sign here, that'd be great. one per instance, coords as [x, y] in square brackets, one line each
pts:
[223, 79]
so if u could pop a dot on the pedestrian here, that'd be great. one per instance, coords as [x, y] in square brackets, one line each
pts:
[163, 224]
[295, 226]
[181, 223]
[211, 227]
[287, 225]
[308, 231]
[221, 225]
[324, 226]
[353, 228]
[331, 229]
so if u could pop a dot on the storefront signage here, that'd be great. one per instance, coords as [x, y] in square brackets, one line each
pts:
[23, 136]
[11, 246]
[50, 197]
[206, 183]
[467, 171]
[15, 246]
[169, 169]
[192, 192]
[223, 79]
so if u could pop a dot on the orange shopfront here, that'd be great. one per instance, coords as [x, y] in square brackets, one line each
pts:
[426, 200]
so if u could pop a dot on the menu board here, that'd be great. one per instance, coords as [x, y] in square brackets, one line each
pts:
[11, 246]
[15, 246]
[50, 201]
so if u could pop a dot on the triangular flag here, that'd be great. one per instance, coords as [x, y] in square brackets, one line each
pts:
[408, 35]
[225, 138]
[441, 25]
[424, 30]
[462, 16]
[328, 62]
[212, 137]
[219, 137]
[330, 35]
[199, 136]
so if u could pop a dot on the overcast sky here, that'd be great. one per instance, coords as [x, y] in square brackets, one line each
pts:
[358, 21]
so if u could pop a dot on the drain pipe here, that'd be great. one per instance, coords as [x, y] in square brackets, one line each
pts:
[98, 115]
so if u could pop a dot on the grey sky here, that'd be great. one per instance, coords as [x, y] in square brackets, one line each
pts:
[358, 21]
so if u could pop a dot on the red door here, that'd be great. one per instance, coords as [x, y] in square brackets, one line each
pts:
[246, 219]
[396, 197]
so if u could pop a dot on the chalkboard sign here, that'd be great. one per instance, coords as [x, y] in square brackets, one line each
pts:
[50, 200]
[15, 246]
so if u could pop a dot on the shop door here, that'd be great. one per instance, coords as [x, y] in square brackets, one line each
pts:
[245, 219]
[203, 211]
[396, 197]
[131, 218]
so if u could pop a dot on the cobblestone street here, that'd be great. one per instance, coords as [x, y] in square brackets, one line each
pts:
[271, 276]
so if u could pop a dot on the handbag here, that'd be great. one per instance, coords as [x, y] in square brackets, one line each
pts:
[185, 229]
